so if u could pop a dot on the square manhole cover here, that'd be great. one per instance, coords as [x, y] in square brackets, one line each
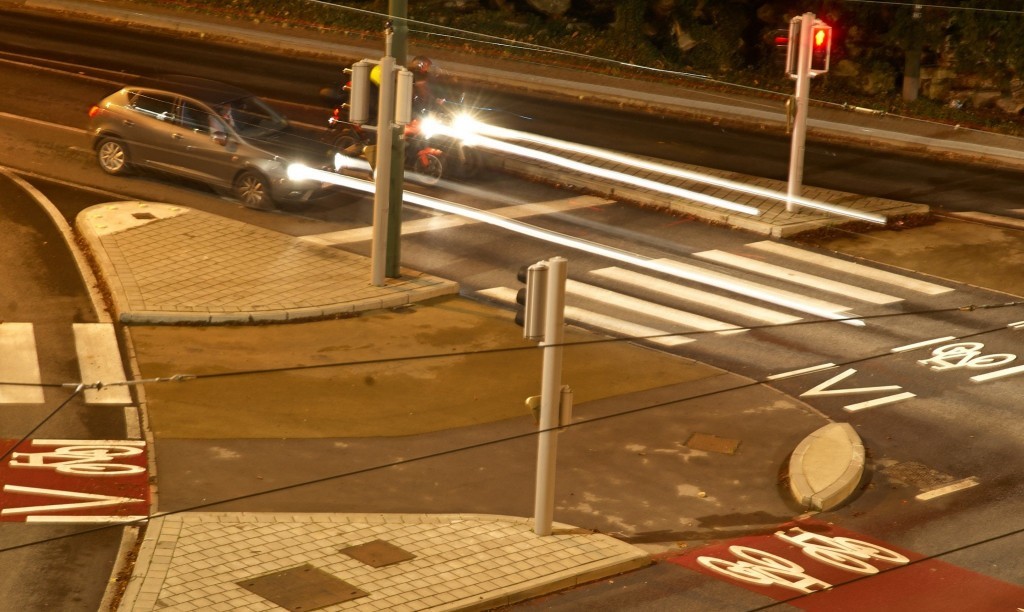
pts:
[302, 588]
[378, 553]
[712, 443]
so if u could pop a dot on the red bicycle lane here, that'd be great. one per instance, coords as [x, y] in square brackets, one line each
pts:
[820, 567]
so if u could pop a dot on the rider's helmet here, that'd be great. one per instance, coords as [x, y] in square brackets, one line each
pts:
[420, 66]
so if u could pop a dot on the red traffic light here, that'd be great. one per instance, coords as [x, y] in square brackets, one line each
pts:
[821, 47]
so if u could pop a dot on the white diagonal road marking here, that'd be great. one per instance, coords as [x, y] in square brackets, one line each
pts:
[799, 278]
[850, 267]
[689, 294]
[605, 322]
[649, 309]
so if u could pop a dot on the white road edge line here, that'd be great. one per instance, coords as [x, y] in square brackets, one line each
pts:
[959, 485]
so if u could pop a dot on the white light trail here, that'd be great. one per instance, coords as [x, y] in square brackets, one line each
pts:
[300, 172]
[626, 160]
[621, 177]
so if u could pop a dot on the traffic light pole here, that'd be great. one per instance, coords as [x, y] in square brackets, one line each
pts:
[397, 9]
[803, 85]
[382, 176]
[551, 395]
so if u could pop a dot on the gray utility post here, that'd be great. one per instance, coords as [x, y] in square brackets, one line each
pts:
[393, 112]
[553, 411]
[382, 176]
[803, 25]
[398, 11]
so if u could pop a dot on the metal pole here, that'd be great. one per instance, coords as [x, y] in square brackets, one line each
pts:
[803, 85]
[398, 10]
[382, 177]
[550, 396]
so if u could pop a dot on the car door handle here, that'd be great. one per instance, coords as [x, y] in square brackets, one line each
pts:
[128, 123]
[177, 136]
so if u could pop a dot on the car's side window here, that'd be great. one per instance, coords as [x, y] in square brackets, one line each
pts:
[198, 118]
[156, 105]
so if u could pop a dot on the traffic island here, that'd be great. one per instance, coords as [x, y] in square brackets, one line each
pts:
[826, 467]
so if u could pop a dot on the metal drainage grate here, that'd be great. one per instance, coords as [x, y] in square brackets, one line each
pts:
[378, 553]
[713, 444]
[144, 216]
[302, 588]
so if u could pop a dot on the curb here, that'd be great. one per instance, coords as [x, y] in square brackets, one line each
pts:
[826, 467]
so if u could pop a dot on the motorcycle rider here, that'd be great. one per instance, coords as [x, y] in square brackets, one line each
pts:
[423, 97]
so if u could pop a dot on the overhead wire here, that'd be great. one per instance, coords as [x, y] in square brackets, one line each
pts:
[180, 377]
[478, 445]
[185, 376]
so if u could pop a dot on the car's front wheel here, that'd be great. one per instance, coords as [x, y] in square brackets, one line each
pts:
[253, 190]
[113, 157]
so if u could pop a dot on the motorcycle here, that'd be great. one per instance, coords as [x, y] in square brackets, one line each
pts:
[424, 161]
[426, 153]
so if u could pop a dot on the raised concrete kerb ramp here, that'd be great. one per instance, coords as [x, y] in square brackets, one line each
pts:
[826, 467]
[166, 264]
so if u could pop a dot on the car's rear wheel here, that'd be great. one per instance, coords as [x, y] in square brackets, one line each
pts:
[113, 157]
[253, 190]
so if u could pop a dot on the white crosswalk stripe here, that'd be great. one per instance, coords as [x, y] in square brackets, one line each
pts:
[655, 311]
[447, 221]
[799, 278]
[611, 324]
[688, 294]
[19, 365]
[841, 265]
[99, 360]
[679, 304]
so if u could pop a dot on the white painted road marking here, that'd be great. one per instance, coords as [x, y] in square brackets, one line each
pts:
[799, 278]
[910, 347]
[99, 360]
[19, 365]
[850, 267]
[758, 291]
[689, 294]
[882, 401]
[649, 309]
[610, 324]
[959, 485]
[439, 222]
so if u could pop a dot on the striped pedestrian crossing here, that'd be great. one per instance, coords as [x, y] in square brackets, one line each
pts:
[98, 356]
[726, 293]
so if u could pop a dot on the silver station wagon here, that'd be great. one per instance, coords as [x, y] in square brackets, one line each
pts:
[210, 132]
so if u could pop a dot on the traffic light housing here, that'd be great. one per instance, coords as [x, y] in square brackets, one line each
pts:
[532, 300]
[821, 47]
[358, 89]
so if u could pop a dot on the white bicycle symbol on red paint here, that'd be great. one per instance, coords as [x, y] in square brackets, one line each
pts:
[82, 460]
[762, 568]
